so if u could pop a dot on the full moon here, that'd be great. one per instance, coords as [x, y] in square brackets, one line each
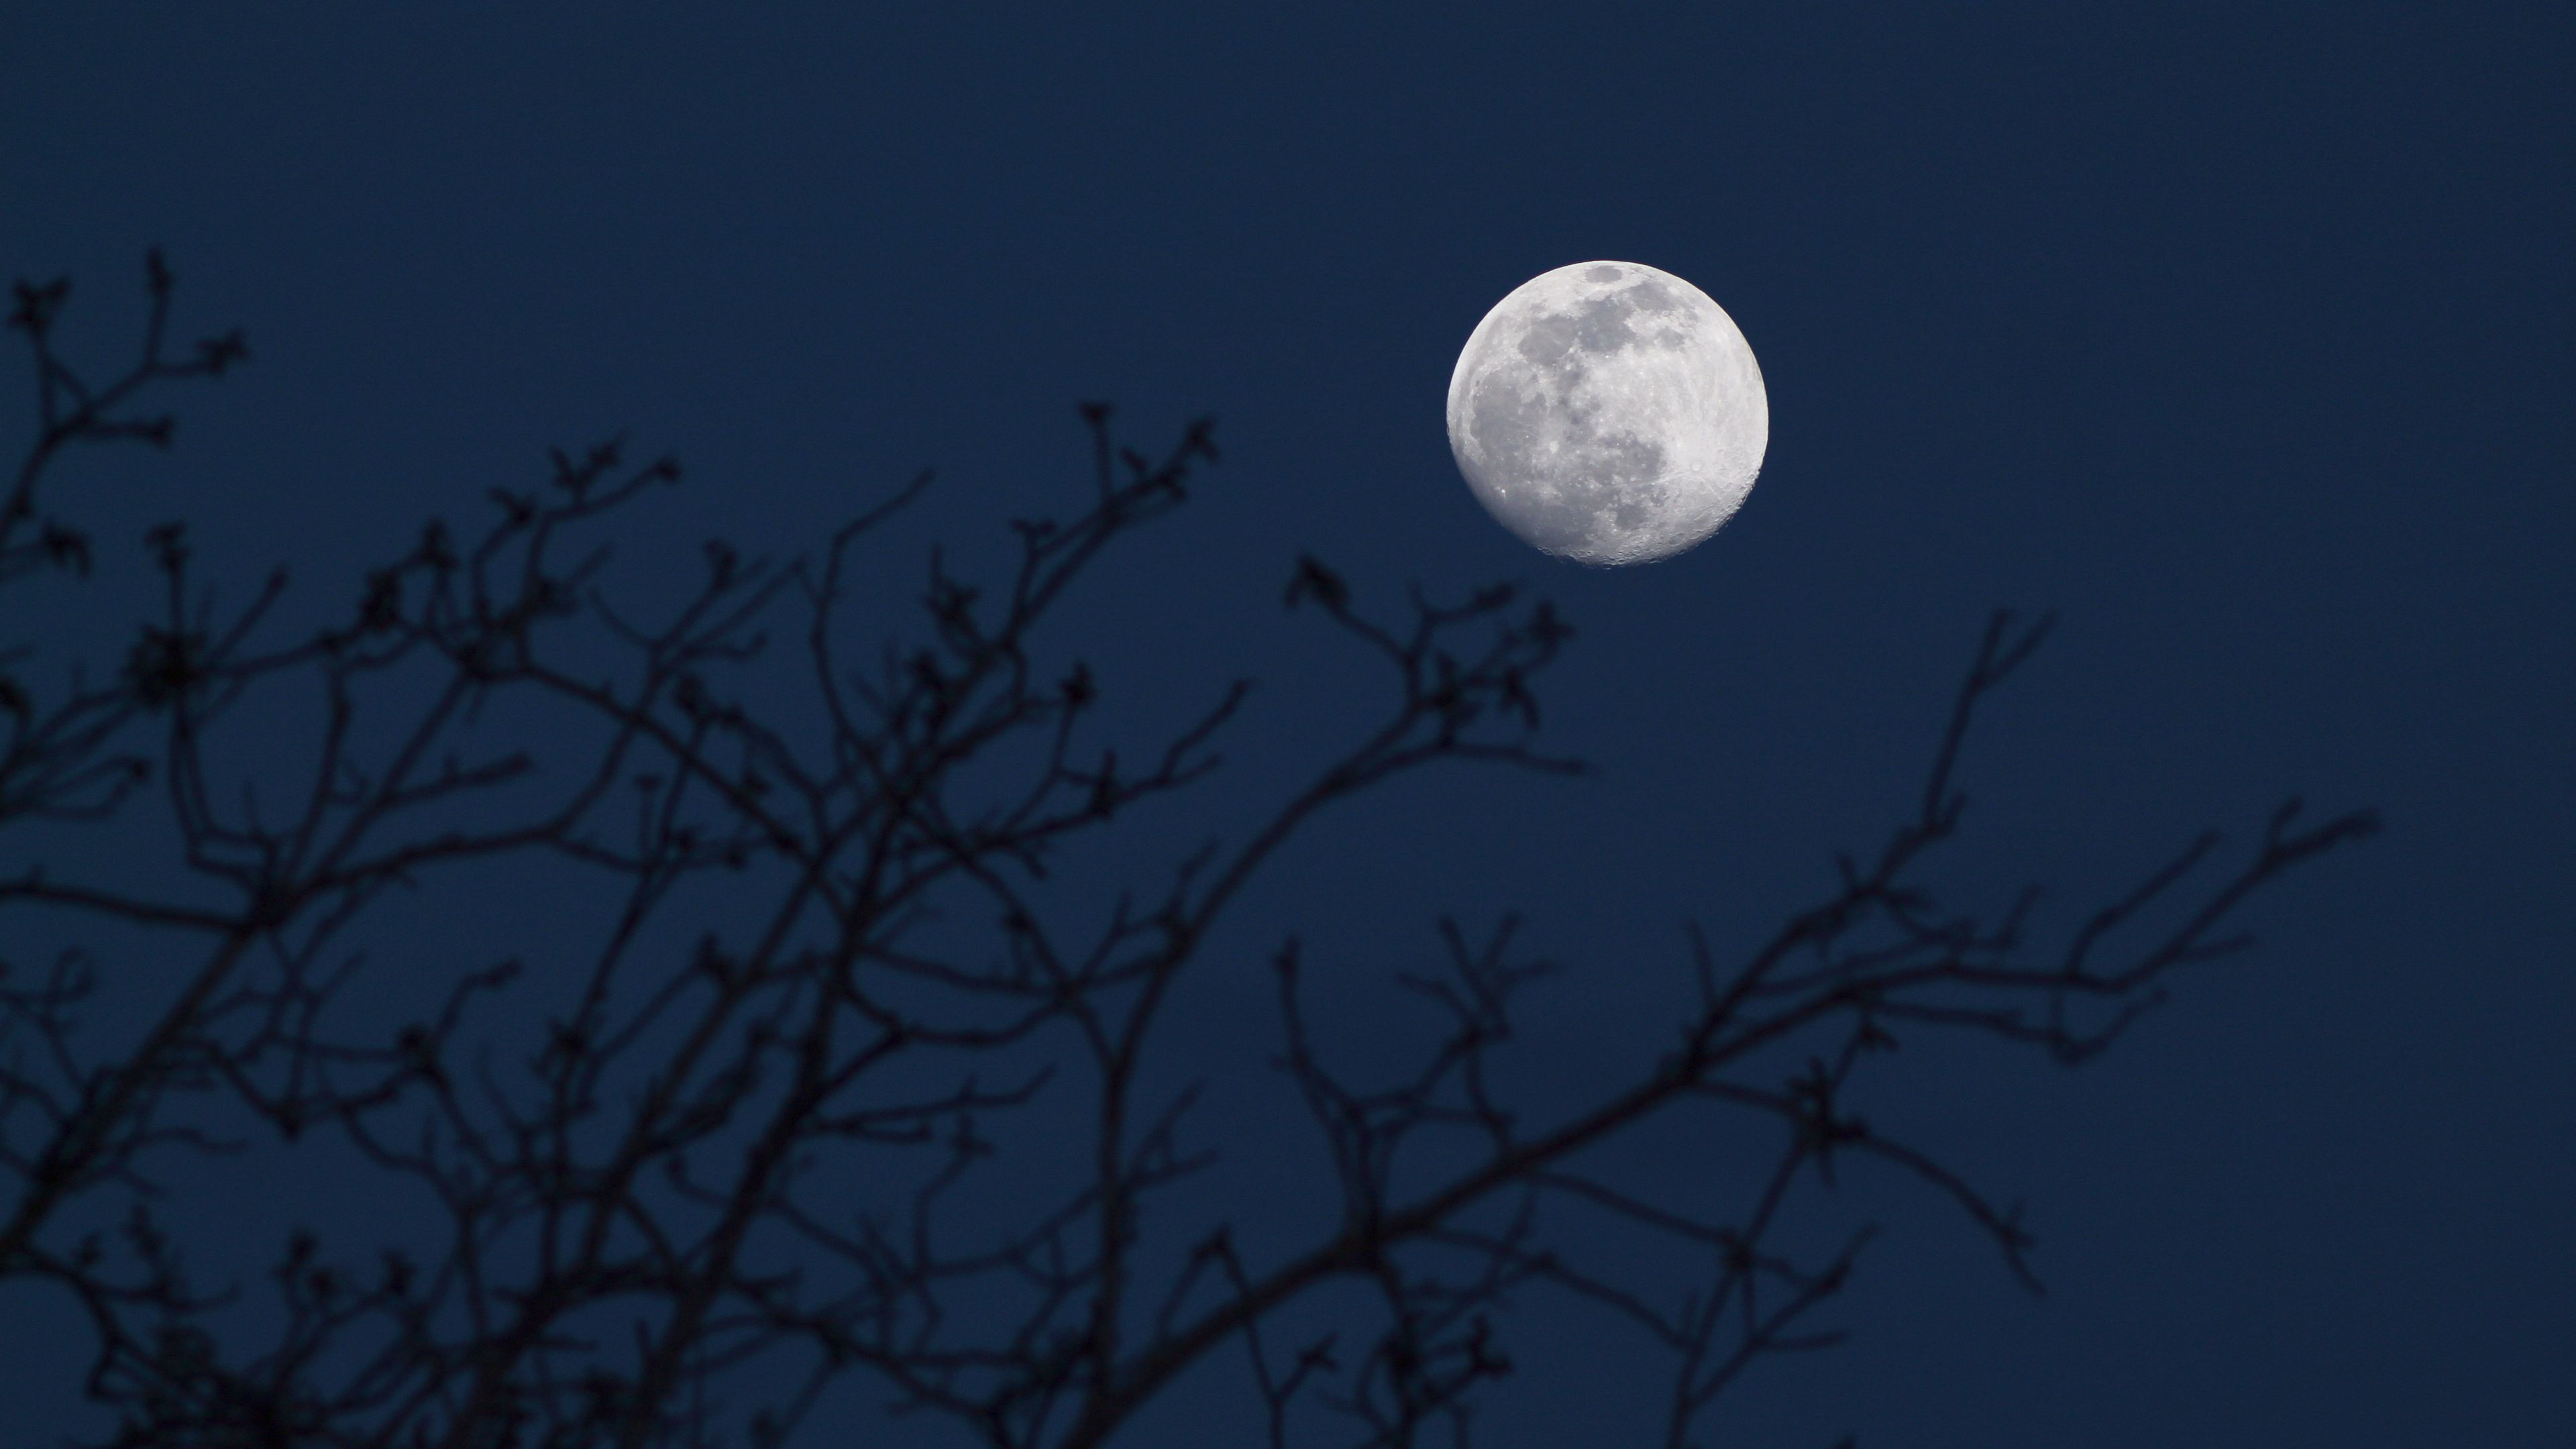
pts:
[1608, 413]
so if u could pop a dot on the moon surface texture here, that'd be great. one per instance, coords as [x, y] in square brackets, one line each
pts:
[1608, 413]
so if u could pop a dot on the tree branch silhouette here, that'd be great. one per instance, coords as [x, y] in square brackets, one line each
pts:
[743, 1146]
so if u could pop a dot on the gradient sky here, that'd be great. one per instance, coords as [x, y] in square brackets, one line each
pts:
[2239, 335]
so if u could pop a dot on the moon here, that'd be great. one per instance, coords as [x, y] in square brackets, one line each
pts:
[1609, 413]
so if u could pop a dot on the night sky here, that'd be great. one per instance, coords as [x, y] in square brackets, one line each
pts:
[2239, 336]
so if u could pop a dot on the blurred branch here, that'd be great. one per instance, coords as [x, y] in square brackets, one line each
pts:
[771, 1126]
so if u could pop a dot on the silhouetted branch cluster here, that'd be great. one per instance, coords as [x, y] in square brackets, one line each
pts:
[674, 1187]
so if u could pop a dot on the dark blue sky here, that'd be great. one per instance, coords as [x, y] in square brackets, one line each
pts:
[2239, 335]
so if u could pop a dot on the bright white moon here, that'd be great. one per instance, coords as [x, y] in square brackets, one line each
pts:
[1609, 413]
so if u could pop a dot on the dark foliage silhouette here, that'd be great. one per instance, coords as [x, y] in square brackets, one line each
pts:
[757, 1138]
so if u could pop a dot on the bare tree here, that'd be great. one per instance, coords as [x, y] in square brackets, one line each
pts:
[672, 1188]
